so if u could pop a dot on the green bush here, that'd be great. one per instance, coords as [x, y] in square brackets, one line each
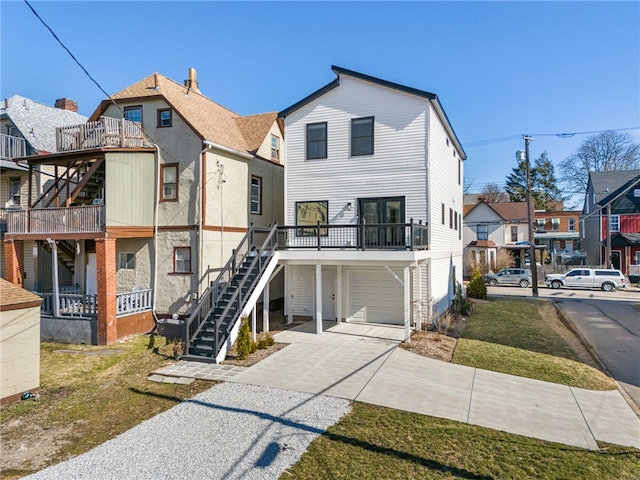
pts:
[461, 304]
[476, 287]
[244, 344]
[266, 341]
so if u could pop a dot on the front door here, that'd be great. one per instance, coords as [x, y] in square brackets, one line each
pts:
[91, 279]
[379, 214]
[615, 259]
[328, 294]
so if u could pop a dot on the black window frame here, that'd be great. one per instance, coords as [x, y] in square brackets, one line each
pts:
[160, 121]
[258, 211]
[370, 135]
[320, 141]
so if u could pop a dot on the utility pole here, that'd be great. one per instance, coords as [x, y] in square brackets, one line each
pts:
[530, 215]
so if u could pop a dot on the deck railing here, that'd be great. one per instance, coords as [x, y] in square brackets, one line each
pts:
[388, 236]
[12, 147]
[3, 219]
[74, 305]
[104, 132]
[133, 302]
[80, 219]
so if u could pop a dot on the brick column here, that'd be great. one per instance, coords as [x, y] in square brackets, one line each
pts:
[106, 277]
[14, 261]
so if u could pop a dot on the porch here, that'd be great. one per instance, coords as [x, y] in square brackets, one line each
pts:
[77, 219]
[105, 132]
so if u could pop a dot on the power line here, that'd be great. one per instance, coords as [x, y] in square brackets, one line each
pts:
[72, 56]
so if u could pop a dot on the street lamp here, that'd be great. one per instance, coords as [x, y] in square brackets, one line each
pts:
[524, 156]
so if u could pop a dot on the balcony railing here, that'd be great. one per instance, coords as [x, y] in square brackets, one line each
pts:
[74, 305]
[388, 236]
[3, 219]
[133, 302]
[12, 147]
[81, 219]
[105, 132]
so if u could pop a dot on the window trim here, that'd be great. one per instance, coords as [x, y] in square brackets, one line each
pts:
[13, 194]
[486, 228]
[125, 255]
[325, 140]
[259, 211]
[132, 108]
[160, 111]
[162, 182]
[514, 232]
[571, 224]
[372, 136]
[176, 272]
[302, 232]
[275, 151]
[612, 223]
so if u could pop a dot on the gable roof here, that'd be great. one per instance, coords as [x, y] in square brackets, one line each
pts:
[12, 296]
[606, 186]
[208, 119]
[514, 212]
[431, 97]
[37, 122]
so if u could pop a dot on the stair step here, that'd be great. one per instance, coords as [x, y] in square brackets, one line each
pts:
[195, 357]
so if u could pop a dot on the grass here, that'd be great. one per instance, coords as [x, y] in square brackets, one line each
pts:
[381, 443]
[87, 399]
[526, 338]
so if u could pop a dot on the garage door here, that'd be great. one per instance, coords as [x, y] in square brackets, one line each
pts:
[375, 296]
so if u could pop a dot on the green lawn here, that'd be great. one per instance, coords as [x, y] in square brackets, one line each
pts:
[526, 338]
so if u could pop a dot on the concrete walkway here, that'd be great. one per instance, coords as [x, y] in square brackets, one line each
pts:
[363, 363]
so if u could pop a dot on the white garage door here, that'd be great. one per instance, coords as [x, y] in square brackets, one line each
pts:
[375, 296]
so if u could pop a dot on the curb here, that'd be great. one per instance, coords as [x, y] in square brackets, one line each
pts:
[569, 324]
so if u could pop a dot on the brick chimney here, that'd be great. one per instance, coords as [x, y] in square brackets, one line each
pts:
[482, 198]
[192, 82]
[67, 104]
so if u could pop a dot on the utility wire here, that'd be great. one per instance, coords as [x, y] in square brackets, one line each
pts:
[72, 56]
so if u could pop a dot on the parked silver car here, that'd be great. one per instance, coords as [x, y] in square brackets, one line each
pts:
[509, 276]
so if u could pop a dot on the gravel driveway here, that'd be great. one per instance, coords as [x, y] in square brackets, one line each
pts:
[231, 431]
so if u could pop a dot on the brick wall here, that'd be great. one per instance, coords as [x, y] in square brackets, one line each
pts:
[106, 278]
[14, 262]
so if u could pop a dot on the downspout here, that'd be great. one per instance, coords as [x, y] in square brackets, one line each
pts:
[156, 208]
[203, 185]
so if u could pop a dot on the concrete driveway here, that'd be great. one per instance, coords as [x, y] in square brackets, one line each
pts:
[363, 363]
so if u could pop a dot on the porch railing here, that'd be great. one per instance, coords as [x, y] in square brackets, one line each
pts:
[389, 236]
[80, 219]
[75, 305]
[104, 132]
[3, 219]
[12, 147]
[133, 302]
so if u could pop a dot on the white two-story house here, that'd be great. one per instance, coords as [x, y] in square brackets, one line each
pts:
[373, 204]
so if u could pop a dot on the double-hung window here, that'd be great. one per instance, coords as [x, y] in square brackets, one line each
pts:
[275, 148]
[182, 260]
[256, 195]
[572, 224]
[362, 136]
[14, 191]
[169, 179]
[133, 114]
[316, 140]
[514, 233]
[614, 221]
[164, 118]
[555, 223]
[483, 232]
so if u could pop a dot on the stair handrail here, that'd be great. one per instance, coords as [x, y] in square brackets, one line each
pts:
[261, 266]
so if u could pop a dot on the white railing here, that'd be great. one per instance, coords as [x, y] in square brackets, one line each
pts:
[12, 147]
[133, 302]
[81, 219]
[71, 305]
[105, 132]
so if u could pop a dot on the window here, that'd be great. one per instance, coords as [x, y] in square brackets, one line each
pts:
[455, 220]
[316, 140]
[133, 114]
[256, 195]
[555, 223]
[362, 136]
[169, 179]
[164, 118]
[615, 223]
[572, 224]
[451, 218]
[126, 261]
[443, 213]
[460, 223]
[14, 191]
[483, 232]
[275, 148]
[311, 213]
[541, 222]
[447, 142]
[514, 233]
[182, 260]
[459, 171]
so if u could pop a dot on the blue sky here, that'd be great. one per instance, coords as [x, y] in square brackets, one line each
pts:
[500, 69]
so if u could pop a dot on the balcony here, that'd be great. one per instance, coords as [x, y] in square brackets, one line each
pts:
[105, 132]
[12, 147]
[80, 219]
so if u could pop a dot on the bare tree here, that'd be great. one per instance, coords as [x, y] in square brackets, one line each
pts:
[493, 193]
[468, 183]
[602, 152]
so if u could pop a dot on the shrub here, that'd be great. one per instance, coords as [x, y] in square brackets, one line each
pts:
[244, 344]
[461, 304]
[477, 288]
[265, 342]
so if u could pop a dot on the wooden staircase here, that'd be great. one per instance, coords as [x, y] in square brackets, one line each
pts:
[66, 253]
[212, 327]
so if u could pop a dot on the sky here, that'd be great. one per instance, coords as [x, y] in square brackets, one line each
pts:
[500, 69]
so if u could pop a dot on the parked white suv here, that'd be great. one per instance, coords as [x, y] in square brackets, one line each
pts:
[607, 280]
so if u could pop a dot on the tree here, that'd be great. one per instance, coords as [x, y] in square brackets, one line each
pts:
[468, 183]
[603, 152]
[492, 192]
[545, 191]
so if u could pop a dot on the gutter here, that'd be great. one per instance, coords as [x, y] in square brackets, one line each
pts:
[233, 151]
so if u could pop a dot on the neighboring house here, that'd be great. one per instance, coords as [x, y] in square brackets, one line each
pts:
[380, 166]
[490, 227]
[149, 199]
[19, 342]
[27, 128]
[559, 231]
[612, 213]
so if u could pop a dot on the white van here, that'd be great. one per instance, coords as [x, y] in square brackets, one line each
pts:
[605, 279]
